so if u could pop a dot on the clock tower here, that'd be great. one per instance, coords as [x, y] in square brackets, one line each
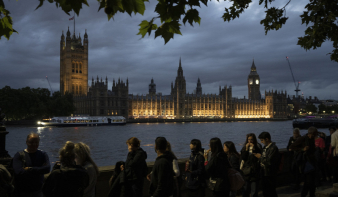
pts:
[254, 81]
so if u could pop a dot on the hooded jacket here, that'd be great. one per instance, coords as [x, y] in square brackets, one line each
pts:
[162, 177]
[66, 182]
[136, 166]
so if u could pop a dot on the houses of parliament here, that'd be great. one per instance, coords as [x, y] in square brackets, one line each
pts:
[100, 100]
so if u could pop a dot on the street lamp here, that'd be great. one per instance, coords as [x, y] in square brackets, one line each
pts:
[324, 112]
[333, 112]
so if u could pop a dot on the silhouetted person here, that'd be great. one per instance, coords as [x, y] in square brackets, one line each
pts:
[307, 163]
[195, 179]
[29, 167]
[250, 165]
[162, 176]
[217, 169]
[67, 179]
[135, 167]
[294, 155]
[83, 158]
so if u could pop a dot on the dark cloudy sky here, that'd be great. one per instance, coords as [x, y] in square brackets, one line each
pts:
[218, 52]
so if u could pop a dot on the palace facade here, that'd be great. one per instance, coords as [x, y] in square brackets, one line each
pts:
[99, 100]
[180, 105]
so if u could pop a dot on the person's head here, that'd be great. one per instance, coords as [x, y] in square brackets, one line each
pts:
[195, 145]
[312, 132]
[67, 154]
[82, 155]
[118, 165]
[32, 142]
[251, 138]
[169, 149]
[133, 143]
[160, 144]
[296, 133]
[229, 148]
[215, 146]
[332, 129]
[265, 138]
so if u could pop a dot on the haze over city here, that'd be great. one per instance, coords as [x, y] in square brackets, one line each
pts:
[217, 52]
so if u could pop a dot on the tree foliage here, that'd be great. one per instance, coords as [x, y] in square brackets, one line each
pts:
[320, 16]
[29, 103]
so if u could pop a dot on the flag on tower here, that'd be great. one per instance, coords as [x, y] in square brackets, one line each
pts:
[71, 18]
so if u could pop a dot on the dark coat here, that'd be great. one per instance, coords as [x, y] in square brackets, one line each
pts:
[32, 179]
[252, 162]
[196, 178]
[304, 156]
[234, 161]
[291, 141]
[162, 177]
[66, 182]
[136, 166]
[270, 159]
[217, 169]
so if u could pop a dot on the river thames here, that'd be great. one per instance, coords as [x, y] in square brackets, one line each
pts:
[108, 143]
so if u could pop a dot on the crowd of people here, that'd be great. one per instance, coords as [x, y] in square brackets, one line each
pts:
[314, 159]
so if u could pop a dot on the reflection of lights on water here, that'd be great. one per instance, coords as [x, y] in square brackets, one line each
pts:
[148, 145]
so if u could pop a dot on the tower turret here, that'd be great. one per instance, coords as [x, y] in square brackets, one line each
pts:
[254, 92]
[152, 88]
[199, 87]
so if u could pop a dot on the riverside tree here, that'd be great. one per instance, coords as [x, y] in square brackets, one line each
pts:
[320, 16]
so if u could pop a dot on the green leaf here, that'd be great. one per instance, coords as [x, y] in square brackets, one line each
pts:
[139, 6]
[191, 16]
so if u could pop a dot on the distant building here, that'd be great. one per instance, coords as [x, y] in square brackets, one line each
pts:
[180, 104]
[98, 100]
[74, 64]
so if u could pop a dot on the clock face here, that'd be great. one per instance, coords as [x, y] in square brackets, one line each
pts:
[257, 81]
[250, 81]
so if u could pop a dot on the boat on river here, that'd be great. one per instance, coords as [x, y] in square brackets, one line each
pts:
[319, 122]
[75, 121]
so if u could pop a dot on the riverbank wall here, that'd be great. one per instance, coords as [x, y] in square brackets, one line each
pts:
[284, 176]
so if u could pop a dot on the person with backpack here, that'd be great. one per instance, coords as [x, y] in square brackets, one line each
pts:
[307, 161]
[250, 166]
[217, 169]
[195, 179]
[162, 176]
[234, 157]
[67, 179]
[135, 167]
[29, 167]
[269, 161]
